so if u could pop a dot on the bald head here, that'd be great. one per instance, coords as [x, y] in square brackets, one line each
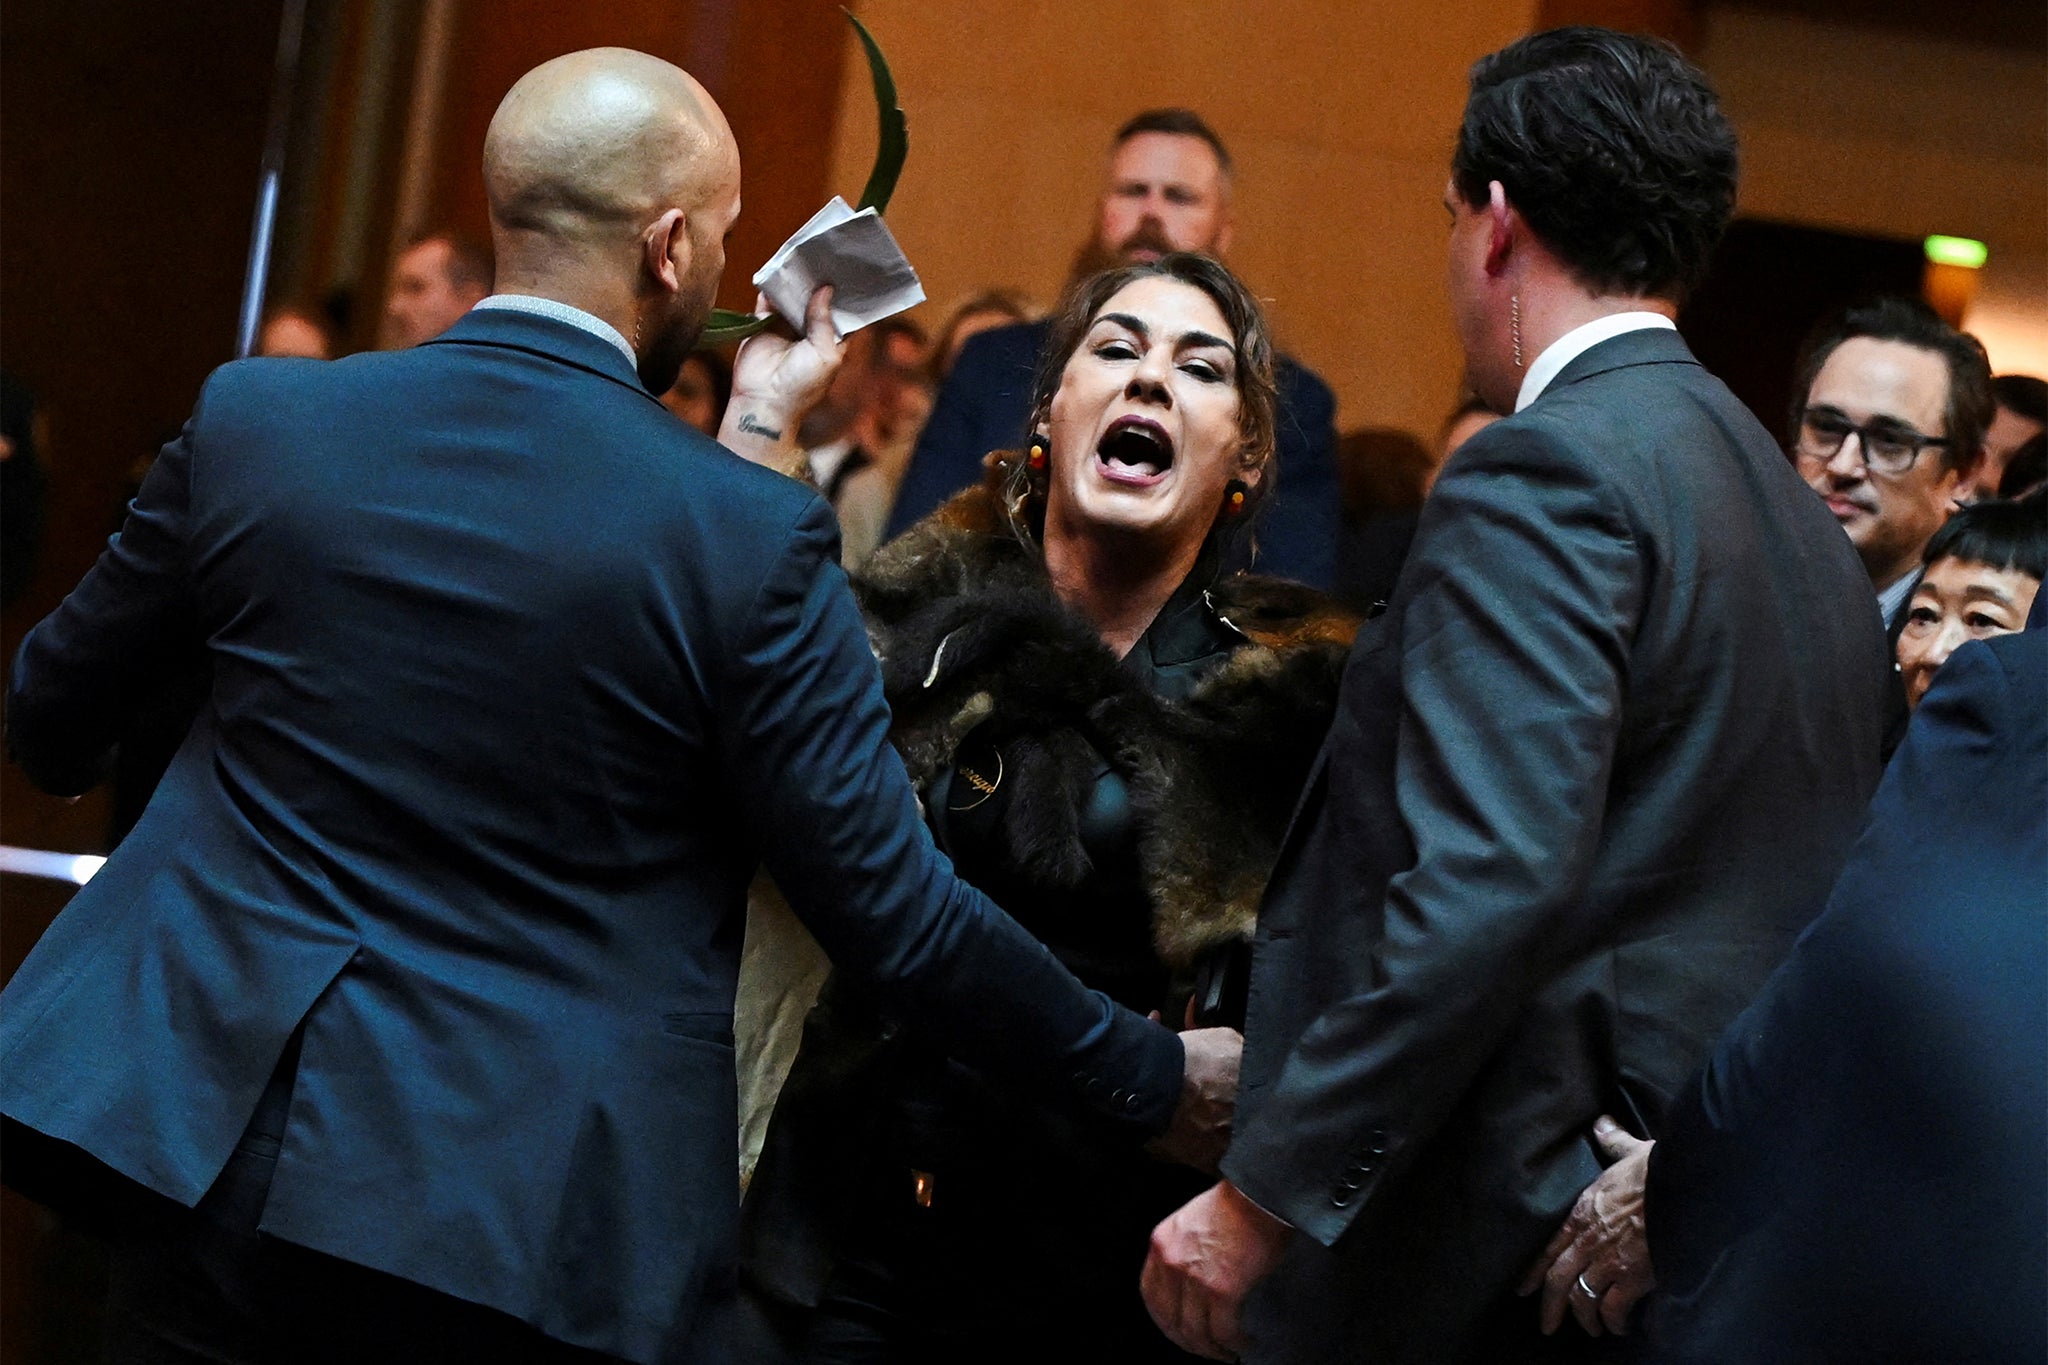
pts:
[612, 180]
[589, 146]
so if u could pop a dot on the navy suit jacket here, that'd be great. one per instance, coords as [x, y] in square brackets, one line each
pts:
[516, 678]
[1860, 1172]
[1590, 774]
[985, 404]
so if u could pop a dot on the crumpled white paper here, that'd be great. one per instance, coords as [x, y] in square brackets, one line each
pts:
[853, 252]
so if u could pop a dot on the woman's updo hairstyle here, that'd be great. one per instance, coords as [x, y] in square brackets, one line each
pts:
[1024, 492]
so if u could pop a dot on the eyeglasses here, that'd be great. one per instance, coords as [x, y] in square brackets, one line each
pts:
[1888, 447]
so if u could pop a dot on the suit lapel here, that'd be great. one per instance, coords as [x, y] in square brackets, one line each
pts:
[1364, 676]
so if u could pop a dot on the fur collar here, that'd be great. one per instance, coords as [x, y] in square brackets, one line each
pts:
[967, 629]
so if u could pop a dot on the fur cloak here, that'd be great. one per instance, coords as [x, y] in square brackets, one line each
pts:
[969, 633]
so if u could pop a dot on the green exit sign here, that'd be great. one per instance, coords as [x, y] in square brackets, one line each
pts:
[1957, 251]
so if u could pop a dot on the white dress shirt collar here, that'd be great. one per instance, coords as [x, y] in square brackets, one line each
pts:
[562, 312]
[1890, 599]
[1577, 342]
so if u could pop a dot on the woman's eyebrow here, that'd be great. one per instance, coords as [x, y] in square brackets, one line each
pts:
[1136, 325]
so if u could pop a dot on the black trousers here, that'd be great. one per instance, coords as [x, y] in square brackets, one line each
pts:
[873, 1315]
[192, 1285]
[202, 1284]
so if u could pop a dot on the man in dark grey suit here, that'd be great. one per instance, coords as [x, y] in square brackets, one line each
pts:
[416, 977]
[1590, 774]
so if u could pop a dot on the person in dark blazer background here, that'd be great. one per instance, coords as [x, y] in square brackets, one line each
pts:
[1591, 772]
[416, 976]
[1856, 1175]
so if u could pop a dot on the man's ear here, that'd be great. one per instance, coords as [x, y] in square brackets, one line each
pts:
[1503, 226]
[1221, 247]
[665, 249]
[1965, 486]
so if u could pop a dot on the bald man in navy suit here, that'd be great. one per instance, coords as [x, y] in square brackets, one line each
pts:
[401, 1025]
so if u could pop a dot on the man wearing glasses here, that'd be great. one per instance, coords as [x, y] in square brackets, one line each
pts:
[1888, 426]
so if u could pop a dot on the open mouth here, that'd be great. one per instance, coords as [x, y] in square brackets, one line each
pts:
[1135, 450]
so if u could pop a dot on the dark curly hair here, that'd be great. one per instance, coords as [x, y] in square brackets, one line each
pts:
[1612, 147]
[1077, 313]
[1970, 406]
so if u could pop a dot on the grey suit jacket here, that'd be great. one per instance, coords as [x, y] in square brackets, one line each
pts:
[1591, 773]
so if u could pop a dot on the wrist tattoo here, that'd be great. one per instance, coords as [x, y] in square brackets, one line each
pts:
[754, 428]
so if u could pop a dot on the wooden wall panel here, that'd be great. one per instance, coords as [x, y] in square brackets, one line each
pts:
[133, 137]
[773, 65]
[1889, 132]
[1341, 118]
[130, 139]
[1676, 21]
